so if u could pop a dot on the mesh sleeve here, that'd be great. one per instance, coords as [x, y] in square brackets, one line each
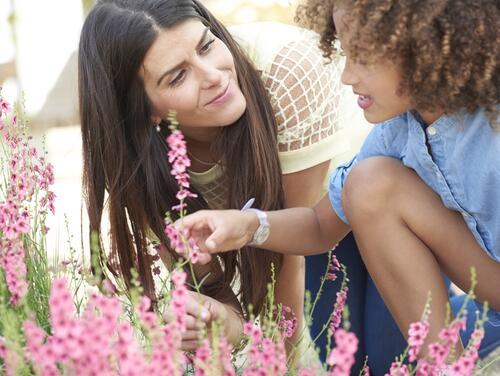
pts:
[305, 94]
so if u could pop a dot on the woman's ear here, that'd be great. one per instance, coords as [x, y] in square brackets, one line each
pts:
[156, 120]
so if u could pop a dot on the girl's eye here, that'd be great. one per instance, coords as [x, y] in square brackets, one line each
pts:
[178, 79]
[206, 47]
[341, 50]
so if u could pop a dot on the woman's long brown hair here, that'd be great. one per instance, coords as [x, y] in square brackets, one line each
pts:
[125, 156]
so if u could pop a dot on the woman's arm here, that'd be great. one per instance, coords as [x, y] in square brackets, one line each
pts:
[290, 284]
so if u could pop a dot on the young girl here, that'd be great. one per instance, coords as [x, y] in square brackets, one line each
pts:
[259, 110]
[422, 195]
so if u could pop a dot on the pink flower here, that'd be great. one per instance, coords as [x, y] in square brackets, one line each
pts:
[179, 160]
[4, 106]
[287, 326]
[3, 348]
[450, 335]
[341, 358]
[333, 268]
[398, 369]
[416, 336]
[178, 277]
[336, 317]
[438, 353]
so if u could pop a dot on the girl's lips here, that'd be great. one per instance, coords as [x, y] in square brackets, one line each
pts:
[223, 97]
[365, 101]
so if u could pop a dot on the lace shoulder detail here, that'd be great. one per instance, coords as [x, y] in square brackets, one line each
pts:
[305, 93]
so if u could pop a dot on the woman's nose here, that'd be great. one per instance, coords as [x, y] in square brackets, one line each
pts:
[210, 75]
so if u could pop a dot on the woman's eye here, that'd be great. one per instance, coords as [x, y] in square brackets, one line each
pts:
[178, 79]
[206, 47]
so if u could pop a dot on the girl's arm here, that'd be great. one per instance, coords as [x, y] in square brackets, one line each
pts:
[297, 231]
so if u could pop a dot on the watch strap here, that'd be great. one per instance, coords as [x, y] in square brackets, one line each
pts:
[262, 233]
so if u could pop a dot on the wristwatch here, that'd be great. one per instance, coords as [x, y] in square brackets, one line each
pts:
[262, 233]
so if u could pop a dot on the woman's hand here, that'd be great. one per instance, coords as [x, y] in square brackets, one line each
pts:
[220, 230]
[202, 311]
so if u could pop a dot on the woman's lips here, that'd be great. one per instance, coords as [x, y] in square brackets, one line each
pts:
[222, 97]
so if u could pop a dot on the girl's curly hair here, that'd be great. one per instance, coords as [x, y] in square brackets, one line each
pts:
[448, 50]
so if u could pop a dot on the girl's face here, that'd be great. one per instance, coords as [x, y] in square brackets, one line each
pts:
[190, 71]
[376, 85]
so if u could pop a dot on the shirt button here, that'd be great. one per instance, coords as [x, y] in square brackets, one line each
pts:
[464, 214]
[431, 131]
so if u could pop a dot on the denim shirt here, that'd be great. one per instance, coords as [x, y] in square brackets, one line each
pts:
[461, 164]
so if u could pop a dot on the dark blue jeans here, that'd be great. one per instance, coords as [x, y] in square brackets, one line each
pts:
[347, 253]
[378, 334]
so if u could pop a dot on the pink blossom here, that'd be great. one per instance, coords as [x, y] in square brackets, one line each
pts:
[286, 325]
[4, 106]
[3, 348]
[28, 177]
[341, 358]
[450, 334]
[438, 353]
[416, 336]
[398, 369]
[333, 268]
[338, 309]
[177, 157]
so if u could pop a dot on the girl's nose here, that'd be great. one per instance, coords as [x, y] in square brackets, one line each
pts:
[348, 76]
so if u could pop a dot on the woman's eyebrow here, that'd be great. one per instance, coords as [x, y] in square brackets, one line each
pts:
[172, 70]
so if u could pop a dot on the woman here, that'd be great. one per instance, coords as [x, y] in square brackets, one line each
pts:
[252, 131]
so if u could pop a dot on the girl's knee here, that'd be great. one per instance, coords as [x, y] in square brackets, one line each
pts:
[370, 185]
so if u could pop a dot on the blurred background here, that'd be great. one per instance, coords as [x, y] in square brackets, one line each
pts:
[38, 66]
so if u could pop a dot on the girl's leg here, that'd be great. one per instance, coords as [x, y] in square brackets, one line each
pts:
[407, 238]
[383, 339]
[347, 253]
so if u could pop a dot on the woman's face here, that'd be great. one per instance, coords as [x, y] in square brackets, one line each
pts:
[190, 71]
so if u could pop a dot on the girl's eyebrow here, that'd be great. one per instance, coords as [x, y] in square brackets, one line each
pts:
[172, 70]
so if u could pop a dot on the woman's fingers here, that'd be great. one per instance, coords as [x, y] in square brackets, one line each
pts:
[197, 305]
[190, 345]
[193, 323]
[192, 335]
[198, 310]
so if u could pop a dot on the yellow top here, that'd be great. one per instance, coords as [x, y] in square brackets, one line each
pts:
[315, 121]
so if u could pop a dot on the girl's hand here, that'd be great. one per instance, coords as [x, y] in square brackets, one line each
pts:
[201, 312]
[220, 230]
